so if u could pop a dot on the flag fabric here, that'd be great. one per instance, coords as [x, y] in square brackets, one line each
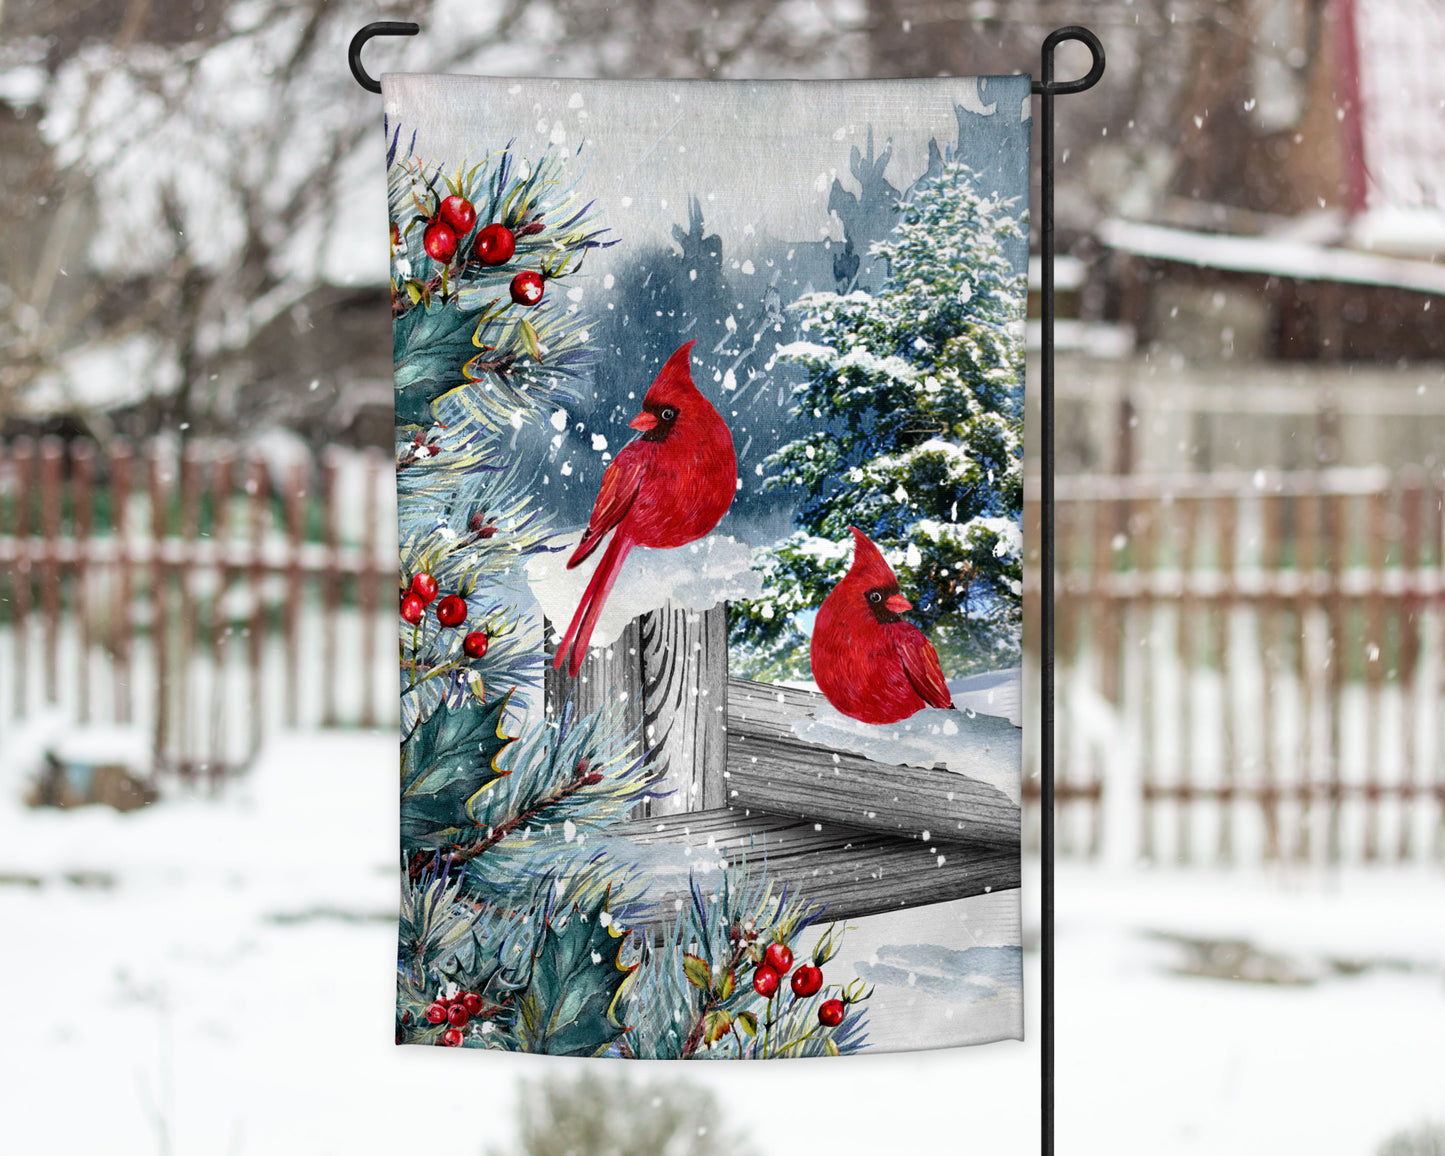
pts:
[709, 461]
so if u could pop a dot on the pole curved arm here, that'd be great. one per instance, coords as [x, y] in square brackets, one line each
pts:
[1047, 85]
[358, 42]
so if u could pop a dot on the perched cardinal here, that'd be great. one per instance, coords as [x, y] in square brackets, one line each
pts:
[666, 488]
[867, 661]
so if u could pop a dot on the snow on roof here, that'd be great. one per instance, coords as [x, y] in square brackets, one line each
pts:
[1271, 256]
[1069, 272]
[1419, 231]
[1402, 102]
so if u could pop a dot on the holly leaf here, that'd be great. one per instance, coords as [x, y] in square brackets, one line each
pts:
[697, 971]
[446, 762]
[569, 1005]
[726, 984]
[748, 1022]
[430, 346]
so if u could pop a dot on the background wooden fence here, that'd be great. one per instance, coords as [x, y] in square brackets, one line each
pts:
[203, 595]
[1250, 666]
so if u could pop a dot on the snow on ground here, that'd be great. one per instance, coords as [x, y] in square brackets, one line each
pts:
[216, 977]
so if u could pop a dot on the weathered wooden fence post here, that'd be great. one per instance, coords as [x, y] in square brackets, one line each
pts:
[52, 460]
[21, 456]
[685, 691]
[82, 462]
[668, 670]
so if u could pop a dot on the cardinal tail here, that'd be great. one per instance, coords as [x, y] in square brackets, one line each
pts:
[574, 643]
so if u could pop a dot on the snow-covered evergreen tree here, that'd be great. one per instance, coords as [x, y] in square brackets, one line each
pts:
[914, 402]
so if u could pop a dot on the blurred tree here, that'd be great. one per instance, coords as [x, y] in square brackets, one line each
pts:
[1426, 1140]
[185, 239]
[592, 1116]
[189, 242]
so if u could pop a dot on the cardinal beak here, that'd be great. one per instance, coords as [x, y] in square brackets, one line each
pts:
[898, 604]
[644, 421]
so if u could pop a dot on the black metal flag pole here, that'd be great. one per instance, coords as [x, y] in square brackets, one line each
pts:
[1047, 88]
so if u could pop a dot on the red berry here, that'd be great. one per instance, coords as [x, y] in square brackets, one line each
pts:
[494, 245]
[475, 643]
[830, 1013]
[452, 1038]
[765, 982]
[451, 611]
[807, 980]
[779, 957]
[472, 1002]
[424, 586]
[458, 214]
[457, 1015]
[412, 608]
[436, 1013]
[527, 288]
[439, 242]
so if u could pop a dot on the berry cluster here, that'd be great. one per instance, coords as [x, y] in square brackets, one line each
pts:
[807, 980]
[453, 220]
[450, 611]
[494, 244]
[455, 1011]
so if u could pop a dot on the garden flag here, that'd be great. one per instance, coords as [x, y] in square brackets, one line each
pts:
[709, 428]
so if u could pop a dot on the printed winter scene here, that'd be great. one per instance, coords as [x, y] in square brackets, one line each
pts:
[709, 421]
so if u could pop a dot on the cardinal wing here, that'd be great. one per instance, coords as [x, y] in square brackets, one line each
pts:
[619, 487]
[920, 663]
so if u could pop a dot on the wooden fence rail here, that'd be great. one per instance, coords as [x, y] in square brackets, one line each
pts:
[197, 593]
[1252, 666]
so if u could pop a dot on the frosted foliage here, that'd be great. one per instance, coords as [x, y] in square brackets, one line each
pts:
[922, 446]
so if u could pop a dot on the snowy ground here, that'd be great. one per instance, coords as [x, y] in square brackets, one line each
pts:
[214, 978]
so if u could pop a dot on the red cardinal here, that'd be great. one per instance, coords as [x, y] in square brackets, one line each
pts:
[666, 488]
[867, 661]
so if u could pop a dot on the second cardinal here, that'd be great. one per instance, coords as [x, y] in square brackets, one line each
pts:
[868, 662]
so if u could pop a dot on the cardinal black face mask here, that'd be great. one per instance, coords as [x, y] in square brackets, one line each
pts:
[709, 428]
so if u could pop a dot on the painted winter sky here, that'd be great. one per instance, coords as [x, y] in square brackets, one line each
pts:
[761, 164]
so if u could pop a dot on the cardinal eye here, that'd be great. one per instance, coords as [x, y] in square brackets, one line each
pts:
[668, 413]
[874, 596]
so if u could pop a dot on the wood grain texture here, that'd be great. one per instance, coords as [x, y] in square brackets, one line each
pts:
[685, 696]
[771, 769]
[668, 670]
[613, 671]
[856, 873]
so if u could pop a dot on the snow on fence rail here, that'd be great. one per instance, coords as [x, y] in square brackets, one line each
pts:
[204, 595]
[1252, 666]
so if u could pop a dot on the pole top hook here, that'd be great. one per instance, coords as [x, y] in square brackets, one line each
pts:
[358, 42]
[1047, 85]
